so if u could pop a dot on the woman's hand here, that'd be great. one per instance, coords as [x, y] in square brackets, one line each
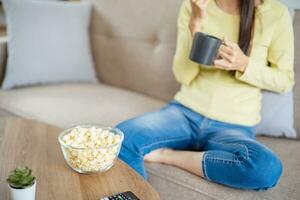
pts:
[198, 14]
[233, 58]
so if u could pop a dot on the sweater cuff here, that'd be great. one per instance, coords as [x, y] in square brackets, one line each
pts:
[252, 70]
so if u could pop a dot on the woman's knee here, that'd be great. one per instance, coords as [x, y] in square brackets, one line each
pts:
[263, 169]
[136, 134]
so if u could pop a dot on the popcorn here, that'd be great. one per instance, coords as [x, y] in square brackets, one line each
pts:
[90, 149]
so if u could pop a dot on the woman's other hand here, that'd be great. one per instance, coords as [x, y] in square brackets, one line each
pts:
[232, 58]
[198, 14]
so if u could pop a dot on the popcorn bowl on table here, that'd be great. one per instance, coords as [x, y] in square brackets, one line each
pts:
[91, 148]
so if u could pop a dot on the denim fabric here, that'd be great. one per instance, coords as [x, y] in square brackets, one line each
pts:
[232, 155]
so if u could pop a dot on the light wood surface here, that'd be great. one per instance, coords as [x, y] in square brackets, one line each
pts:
[34, 144]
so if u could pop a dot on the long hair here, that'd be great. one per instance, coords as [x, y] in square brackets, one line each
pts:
[247, 18]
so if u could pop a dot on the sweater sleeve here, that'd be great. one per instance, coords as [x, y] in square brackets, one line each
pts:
[278, 76]
[183, 68]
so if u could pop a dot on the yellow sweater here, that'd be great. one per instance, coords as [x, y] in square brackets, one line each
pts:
[218, 94]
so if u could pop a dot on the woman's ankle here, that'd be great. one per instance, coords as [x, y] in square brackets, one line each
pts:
[167, 156]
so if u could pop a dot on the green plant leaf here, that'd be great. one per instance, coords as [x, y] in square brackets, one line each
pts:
[21, 177]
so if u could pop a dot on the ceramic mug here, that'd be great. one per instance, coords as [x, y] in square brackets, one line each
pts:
[205, 48]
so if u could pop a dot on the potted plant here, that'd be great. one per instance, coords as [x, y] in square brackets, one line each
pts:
[22, 184]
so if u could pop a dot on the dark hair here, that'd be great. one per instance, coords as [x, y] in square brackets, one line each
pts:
[247, 12]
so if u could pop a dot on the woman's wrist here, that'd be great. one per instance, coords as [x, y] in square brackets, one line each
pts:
[195, 25]
[244, 64]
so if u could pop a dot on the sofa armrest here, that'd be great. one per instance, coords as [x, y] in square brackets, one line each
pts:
[3, 57]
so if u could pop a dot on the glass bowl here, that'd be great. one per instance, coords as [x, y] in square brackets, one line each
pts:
[86, 158]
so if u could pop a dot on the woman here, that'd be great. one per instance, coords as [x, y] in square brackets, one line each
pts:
[209, 128]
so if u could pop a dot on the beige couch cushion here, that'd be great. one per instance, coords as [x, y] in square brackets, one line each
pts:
[136, 53]
[297, 71]
[165, 179]
[71, 104]
[3, 57]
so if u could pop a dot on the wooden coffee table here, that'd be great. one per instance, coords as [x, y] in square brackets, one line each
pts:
[34, 144]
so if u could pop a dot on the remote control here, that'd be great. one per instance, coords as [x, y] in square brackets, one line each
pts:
[121, 196]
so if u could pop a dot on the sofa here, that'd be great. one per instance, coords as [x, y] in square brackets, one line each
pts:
[133, 48]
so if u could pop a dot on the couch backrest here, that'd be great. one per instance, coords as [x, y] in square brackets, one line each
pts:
[3, 57]
[297, 71]
[133, 44]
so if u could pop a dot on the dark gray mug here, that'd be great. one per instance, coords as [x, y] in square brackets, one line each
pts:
[205, 48]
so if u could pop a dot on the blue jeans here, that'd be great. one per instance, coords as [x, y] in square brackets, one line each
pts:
[232, 157]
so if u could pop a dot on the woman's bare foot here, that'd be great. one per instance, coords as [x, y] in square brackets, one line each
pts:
[159, 155]
[187, 160]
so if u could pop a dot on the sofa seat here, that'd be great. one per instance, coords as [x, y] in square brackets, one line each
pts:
[165, 179]
[65, 105]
